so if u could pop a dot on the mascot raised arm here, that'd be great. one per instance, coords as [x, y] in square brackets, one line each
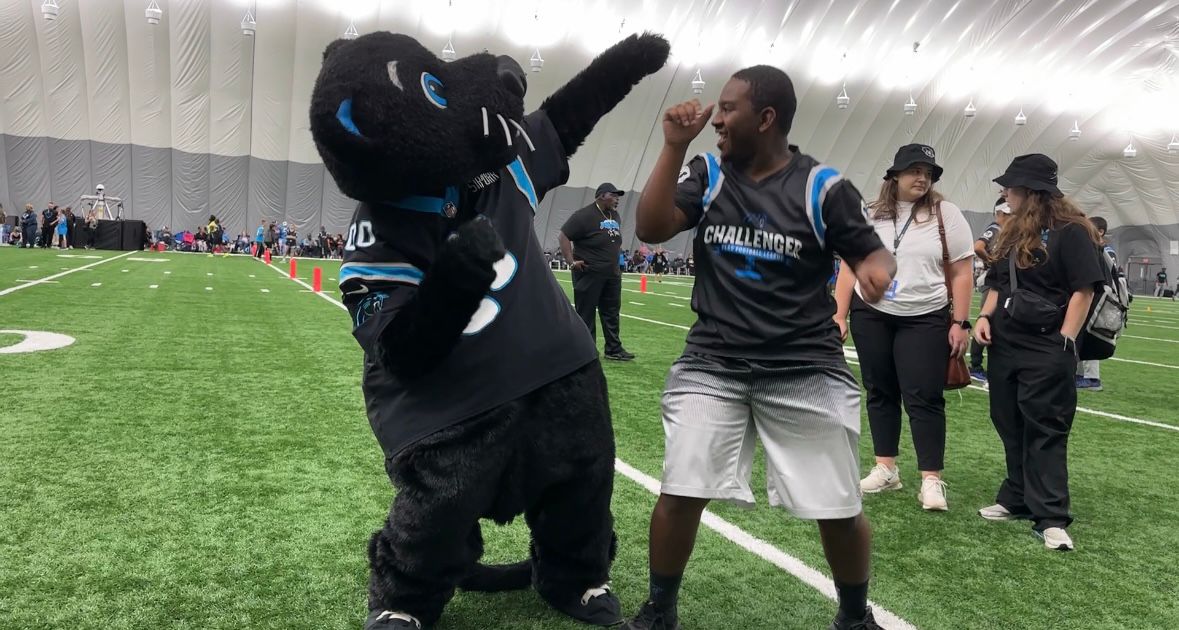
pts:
[481, 384]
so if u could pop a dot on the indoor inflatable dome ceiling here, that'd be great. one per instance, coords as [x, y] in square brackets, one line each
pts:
[192, 116]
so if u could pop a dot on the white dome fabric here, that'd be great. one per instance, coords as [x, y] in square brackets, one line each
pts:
[190, 117]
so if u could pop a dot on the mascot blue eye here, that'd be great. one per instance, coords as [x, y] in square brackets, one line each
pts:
[433, 89]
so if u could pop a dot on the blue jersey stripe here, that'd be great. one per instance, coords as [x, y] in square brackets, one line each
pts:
[394, 272]
[820, 182]
[523, 182]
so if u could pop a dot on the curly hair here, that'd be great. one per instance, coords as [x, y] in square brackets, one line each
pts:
[1022, 234]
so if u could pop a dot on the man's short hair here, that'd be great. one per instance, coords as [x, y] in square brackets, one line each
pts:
[770, 87]
[1099, 223]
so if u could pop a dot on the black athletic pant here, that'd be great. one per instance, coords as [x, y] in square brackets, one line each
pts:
[30, 237]
[1033, 401]
[903, 359]
[593, 292]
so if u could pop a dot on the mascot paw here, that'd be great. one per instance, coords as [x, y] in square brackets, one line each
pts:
[391, 620]
[598, 606]
[648, 52]
[477, 241]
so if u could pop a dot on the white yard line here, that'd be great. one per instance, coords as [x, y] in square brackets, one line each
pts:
[1150, 338]
[734, 534]
[63, 273]
[764, 550]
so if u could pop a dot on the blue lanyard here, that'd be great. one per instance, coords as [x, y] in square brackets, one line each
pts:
[896, 242]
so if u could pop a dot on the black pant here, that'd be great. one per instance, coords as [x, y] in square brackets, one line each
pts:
[603, 294]
[1033, 401]
[903, 359]
[30, 237]
[47, 235]
[537, 455]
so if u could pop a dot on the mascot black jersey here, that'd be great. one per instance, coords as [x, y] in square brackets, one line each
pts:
[507, 349]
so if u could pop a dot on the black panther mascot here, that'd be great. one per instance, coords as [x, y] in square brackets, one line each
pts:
[482, 385]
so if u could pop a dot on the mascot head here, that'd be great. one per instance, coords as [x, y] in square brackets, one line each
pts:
[390, 119]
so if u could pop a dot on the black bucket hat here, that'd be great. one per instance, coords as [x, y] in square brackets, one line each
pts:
[1034, 172]
[911, 154]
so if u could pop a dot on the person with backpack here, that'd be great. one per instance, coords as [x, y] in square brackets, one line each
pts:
[1045, 272]
[1089, 372]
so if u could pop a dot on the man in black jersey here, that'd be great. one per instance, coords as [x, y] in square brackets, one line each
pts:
[764, 354]
[591, 240]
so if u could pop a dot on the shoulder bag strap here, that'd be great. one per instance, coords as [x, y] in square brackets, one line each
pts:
[941, 233]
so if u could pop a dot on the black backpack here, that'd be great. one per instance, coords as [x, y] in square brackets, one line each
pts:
[1107, 314]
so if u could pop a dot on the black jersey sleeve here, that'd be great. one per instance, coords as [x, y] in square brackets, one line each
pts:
[989, 234]
[545, 157]
[1079, 259]
[691, 189]
[848, 232]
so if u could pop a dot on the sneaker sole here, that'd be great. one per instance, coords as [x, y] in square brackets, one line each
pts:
[1060, 547]
[935, 508]
[887, 488]
[1005, 517]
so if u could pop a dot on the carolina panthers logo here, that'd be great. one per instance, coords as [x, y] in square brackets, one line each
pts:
[684, 174]
[611, 227]
[928, 151]
[368, 307]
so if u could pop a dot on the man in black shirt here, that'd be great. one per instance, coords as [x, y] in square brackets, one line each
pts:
[1160, 282]
[591, 240]
[764, 354]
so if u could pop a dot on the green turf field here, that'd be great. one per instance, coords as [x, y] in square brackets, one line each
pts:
[200, 458]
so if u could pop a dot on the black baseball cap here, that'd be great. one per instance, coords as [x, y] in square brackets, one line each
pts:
[911, 154]
[1035, 171]
[607, 188]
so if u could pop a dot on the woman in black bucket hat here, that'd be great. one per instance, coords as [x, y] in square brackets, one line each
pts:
[902, 341]
[1032, 329]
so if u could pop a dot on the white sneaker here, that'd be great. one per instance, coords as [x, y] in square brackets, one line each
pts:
[880, 479]
[1056, 539]
[933, 494]
[996, 512]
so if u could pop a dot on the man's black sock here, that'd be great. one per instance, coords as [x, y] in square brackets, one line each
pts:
[853, 600]
[665, 593]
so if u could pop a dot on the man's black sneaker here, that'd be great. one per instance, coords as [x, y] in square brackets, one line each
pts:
[868, 622]
[621, 355]
[391, 620]
[650, 617]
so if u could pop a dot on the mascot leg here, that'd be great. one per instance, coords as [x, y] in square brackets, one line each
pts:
[432, 538]
[572, 529]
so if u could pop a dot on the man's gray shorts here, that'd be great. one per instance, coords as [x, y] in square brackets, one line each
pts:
[808, 419]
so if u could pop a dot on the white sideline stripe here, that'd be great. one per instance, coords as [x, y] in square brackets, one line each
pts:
[850, 354]
[63, 273]
[678, 297]
[676, 305]
[1162, 365]
[38, 281]
[638, 303]
[766, 551]
[734, 534]
[1150, 338]
[1136, 323]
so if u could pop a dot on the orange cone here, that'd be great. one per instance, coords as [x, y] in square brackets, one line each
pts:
[266, 256]
[316, 279]
[292, 269]
[643, 284]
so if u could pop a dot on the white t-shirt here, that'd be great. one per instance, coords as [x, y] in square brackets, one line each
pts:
[919, 286]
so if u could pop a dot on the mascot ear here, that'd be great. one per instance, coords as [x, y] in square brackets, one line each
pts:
[333, 47]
